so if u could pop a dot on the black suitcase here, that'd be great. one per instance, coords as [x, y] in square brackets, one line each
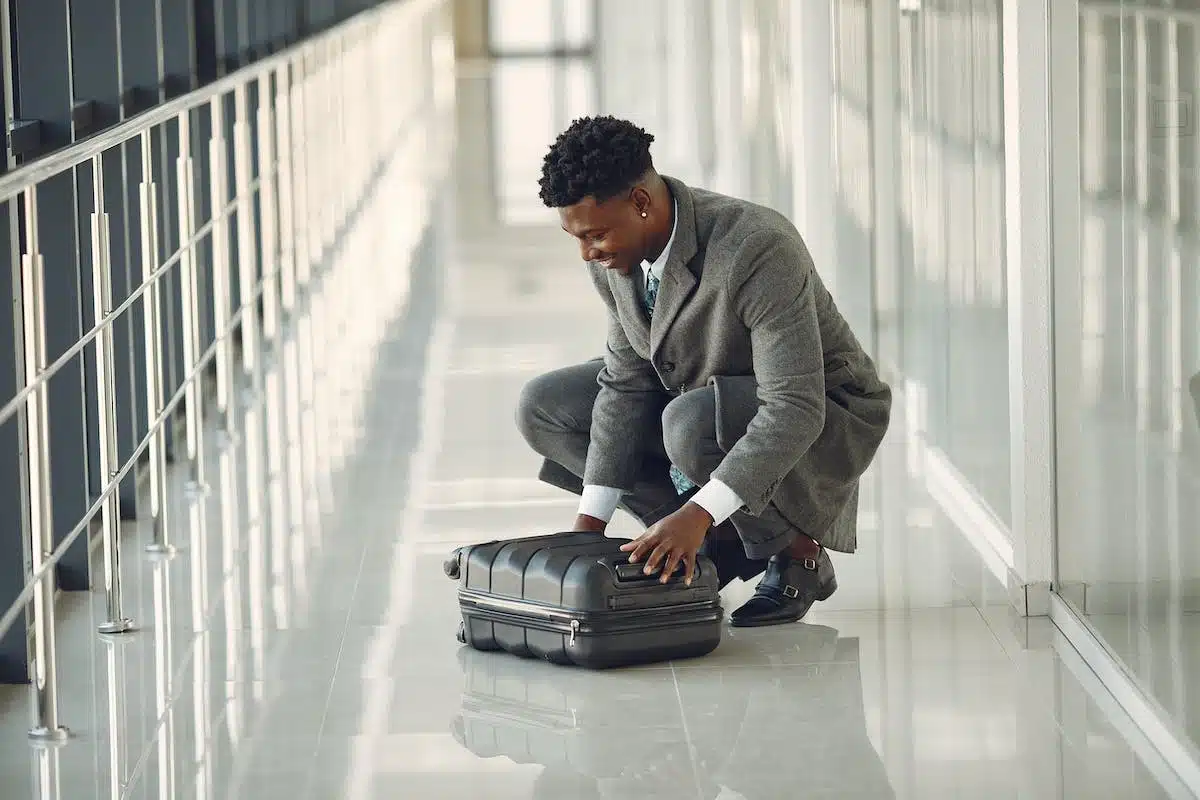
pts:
[574, 598]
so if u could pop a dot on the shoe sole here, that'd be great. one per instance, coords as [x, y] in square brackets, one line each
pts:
[766, 623]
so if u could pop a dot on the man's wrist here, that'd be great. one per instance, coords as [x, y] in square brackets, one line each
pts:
[718, 500]
[599, 502]
[586, 522]
[698, 513]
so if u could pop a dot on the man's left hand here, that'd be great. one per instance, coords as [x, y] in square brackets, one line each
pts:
[673, 539]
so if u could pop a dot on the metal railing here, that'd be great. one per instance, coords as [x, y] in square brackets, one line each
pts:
[304, 131]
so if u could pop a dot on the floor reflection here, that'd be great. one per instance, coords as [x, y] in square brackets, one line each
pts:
[634, 734]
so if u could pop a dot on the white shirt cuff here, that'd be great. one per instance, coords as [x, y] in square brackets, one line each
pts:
[599, 502]
[718, 500]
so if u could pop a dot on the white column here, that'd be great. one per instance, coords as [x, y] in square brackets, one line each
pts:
[1027, 77]
[632, 37]
[812, 110]
[885, 144]
[729, 173]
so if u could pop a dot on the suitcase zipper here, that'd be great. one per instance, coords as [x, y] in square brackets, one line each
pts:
[564, 620]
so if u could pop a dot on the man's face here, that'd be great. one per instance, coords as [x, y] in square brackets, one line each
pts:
[612, 234]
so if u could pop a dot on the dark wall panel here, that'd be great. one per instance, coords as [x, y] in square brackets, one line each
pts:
[14, 658]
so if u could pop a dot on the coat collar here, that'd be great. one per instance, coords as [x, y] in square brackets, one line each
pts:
[678, 280]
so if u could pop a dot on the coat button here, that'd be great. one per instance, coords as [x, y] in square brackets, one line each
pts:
[668, 366]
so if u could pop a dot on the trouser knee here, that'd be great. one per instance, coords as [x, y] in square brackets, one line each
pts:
[689, 433]
[530, 419]
[556, 406]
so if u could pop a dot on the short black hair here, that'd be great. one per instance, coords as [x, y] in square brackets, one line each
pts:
[598, 157]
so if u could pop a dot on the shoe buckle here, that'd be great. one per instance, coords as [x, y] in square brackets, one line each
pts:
[810, 564]
[791, 592]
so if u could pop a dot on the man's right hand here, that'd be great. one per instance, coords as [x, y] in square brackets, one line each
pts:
[589, 524]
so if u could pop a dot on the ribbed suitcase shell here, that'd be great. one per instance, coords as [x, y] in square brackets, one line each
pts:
[574, 598]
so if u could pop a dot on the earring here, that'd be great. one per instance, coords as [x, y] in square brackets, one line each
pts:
[643, 215]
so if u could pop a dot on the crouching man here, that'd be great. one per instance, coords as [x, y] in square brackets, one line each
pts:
[733, 411]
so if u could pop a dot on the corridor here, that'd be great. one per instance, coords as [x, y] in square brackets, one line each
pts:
[309, 652]
[268, 336]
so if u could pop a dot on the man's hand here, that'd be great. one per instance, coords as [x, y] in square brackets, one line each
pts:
[673, 539]
[589, 524]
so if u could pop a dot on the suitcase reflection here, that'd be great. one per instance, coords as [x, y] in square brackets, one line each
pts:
[759, 732]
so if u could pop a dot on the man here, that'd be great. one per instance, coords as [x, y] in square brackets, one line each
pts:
[733, 404]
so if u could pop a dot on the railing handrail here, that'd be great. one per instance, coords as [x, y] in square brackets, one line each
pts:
[13, 407]
[59, 161]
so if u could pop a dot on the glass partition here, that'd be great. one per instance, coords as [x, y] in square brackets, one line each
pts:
[1127, 340]
[952, 275]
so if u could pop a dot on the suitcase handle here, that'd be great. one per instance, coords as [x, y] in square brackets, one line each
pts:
[633, 572]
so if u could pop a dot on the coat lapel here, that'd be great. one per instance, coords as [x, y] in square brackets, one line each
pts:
[678, 281]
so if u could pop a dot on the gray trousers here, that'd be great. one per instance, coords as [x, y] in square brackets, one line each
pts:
[555, 417]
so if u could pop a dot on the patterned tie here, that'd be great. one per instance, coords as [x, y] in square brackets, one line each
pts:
[681, 482]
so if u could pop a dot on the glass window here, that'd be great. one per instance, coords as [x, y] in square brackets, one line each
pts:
[1127, 343]
[540, 26]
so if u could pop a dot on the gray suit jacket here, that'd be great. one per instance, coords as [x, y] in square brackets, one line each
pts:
[801, 409]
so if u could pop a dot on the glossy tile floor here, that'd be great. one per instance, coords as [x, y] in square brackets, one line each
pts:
[301, 642]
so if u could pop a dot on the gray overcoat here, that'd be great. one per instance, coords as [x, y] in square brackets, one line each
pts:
[801, 409]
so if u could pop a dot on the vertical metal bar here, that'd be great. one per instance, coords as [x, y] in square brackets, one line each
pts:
[44, 668]
[342, 185]
[247, 266]
[329, 187]
[151, 326]
[190, 305]
[300, 172]
[106, 407]
[267, 195]
[284, 165]
[218, 185]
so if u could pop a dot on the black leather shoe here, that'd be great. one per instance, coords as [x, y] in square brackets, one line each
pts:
[724, 548]
[787, 591]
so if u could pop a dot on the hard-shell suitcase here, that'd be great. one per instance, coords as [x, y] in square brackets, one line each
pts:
[574, 598]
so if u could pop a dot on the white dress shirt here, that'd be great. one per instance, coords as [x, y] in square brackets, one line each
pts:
[714, 497]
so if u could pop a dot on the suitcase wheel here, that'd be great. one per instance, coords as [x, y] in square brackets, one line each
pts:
[452, 565]
[461, 636]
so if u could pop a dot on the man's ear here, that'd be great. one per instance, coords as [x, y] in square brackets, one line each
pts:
[640, 199]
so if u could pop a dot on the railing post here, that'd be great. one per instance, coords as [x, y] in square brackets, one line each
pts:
[247, 266]
[106, 407]
[303, 256]
[37, 452]
[218, 184]
[190, 302]
[285, 158]
[152, 327]
[268, 174]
